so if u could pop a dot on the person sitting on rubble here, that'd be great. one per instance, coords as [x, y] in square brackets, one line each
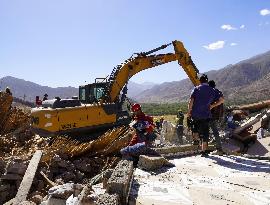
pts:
[144, 135]
[179, 125]
[45, 97]
[217, 114]
[8, 91]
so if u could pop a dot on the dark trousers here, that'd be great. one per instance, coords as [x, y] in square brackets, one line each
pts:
[213, 126]
[179, 131]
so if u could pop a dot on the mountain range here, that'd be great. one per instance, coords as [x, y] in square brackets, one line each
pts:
[246, 81]
[28, 91]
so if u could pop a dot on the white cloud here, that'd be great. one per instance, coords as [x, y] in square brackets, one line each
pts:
[215, 45]
[265, 12]
[233, 44]
[242, 26]
[228, 27]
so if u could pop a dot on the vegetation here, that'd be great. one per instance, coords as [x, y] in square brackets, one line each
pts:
[156, 109]
[170, 109]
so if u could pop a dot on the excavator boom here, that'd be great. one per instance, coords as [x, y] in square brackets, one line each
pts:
[145, 61]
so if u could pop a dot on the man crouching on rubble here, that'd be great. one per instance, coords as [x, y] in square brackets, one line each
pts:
[199, 109]
[143, 137]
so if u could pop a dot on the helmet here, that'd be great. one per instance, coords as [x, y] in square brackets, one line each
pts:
[136, 107]
[46, 95]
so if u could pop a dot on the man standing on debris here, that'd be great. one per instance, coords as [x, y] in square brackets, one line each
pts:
[217, 114]
[8, 91]
[45, 97]
[199, 109]
[179, 125]
[143, 137]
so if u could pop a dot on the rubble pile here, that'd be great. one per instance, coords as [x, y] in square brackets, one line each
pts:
[17, 146]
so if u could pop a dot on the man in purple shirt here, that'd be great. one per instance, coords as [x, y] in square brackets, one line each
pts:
[199, 109]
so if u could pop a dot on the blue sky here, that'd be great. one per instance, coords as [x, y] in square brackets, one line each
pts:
[68, 43]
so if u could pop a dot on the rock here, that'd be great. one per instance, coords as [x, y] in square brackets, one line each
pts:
[59, 181]
[40, 185]
[72, 200]
[37, 199]
[4, 192]
[84, 165]
[106, 177]
[55, 201]
[68, 176]
[64, 191]
[12, 177]
[4, 187]
[108, 199]
[16, 168]
[150, 163]
[2, 167]
[79, 176]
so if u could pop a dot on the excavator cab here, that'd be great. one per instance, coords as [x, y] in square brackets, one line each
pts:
[94, 92]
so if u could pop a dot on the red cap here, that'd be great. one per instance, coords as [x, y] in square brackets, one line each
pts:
[136, 107]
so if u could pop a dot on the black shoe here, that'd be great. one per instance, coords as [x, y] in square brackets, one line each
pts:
[204, 154]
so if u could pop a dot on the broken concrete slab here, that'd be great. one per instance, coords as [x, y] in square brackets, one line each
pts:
[16, 168]
[55, 201]
[64, 191]
[150, 163]
[261, 147]
[28, 178]
[108, 199]
[120, 181]
[250, 122]
[12, 177]
[181, 148]
[175, 149]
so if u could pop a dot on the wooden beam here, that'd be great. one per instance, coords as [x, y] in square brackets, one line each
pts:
[28, 178]
[49, 182]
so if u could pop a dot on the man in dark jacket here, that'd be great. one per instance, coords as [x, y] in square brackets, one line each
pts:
[199, 109]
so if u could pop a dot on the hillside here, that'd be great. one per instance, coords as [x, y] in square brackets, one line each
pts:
[248, 80]
[25, 89]
[21, 88]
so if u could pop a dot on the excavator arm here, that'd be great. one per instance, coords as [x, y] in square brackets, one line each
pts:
[121, 74]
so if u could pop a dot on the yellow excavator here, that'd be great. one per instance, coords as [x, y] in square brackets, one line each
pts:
[100, 104]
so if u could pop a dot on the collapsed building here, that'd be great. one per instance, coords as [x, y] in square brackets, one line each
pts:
[36, 170]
